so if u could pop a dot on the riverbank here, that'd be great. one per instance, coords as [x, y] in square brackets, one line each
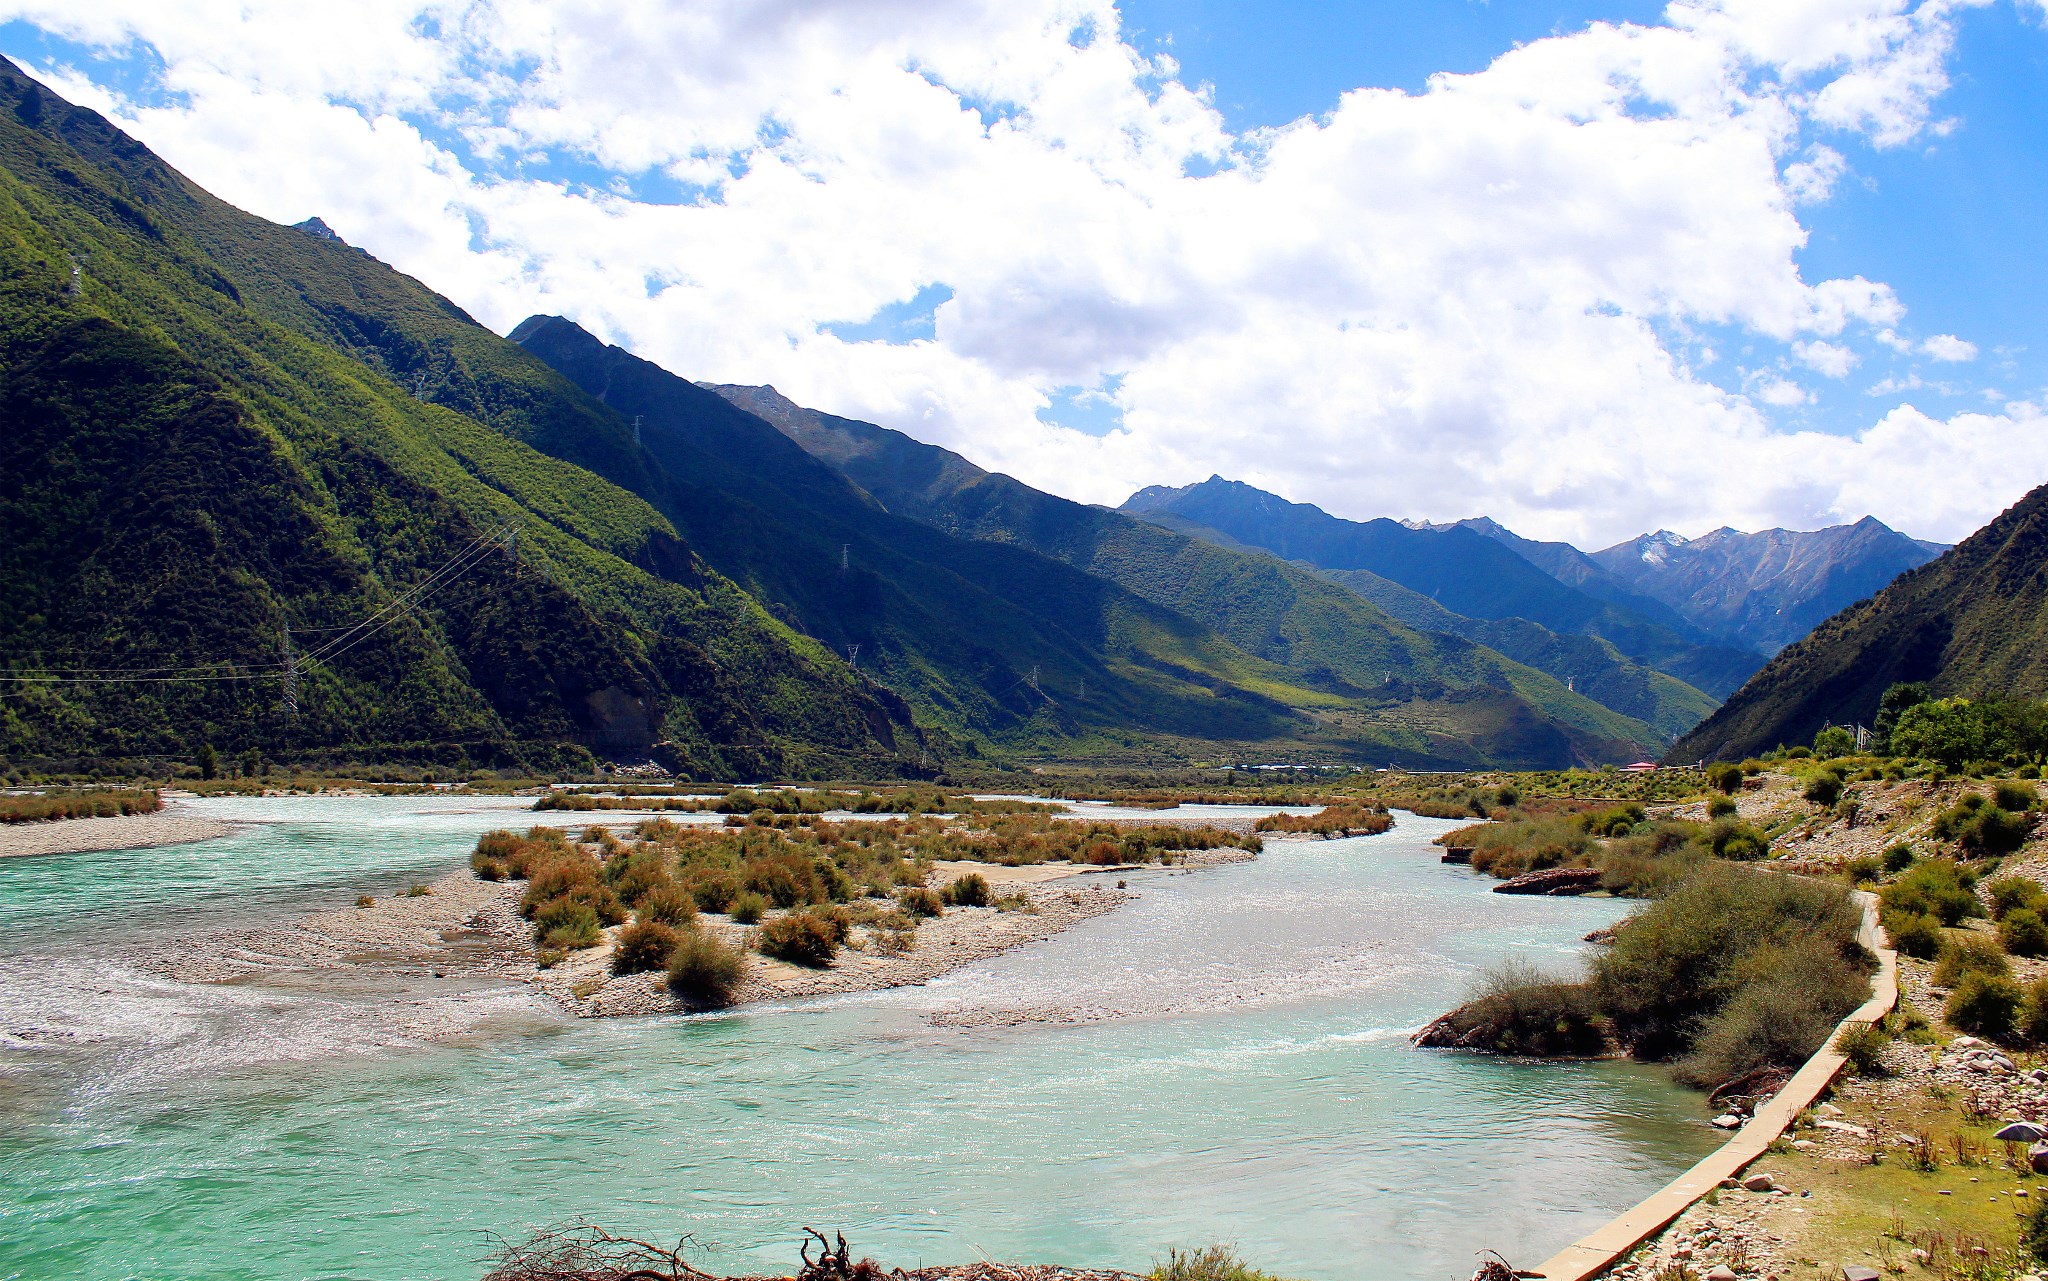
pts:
[424, 949]
[172, 825]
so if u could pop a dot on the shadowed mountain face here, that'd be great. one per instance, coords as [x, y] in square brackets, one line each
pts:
[1480, 578]
[1973, 621]
[1413, 689]
[219, 431]
[1767, 589]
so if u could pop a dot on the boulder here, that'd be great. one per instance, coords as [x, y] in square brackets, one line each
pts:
[2022, 1132]
[1720, 1272]
[1829, 1111]
[2037, 1157]
[1760, 1183]
[1967, 1043]
[1728, 1121]
[1857, 1272]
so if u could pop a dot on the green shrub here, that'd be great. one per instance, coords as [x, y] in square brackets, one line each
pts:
[1934, 887]
[1863, 1044]
[1862, 871]
[565, 924]
[1525, 1011]
[1897, 858]
[2014, 797]
[2024, 933]
[1680, 962]
[919, 901]
[1834, 741]
[2034, 1013]
[970, 890]
[667, 904]
[1968, 955]
[1986, 1005]
[2009, 892]
[802, 938]
[1721, 807]
[748, 908]
[1210, 1263]
[1618, 821]
[1915, 934]
[1724, 776]
[702, 969]
[1790, 995]
[2034, 1231]
[1737, 842]
[643, 946]
[1823, 789]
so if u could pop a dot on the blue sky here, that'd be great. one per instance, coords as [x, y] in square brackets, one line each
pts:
[1954, 223]
[1749, 262]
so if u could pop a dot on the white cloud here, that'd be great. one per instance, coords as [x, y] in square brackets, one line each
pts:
[1421, 305]
[1950, 348]
[1829, 359]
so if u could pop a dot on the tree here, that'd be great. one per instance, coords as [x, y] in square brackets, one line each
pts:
[1893, 705]
[209, 761]
[1834, 741]
[1948, 730]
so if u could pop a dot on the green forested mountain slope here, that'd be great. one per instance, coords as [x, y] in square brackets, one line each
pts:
[1399, 678]
[182, 478]
[1972, 622]
[958, 626]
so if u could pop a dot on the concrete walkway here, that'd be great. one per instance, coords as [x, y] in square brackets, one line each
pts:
[1594, 1254]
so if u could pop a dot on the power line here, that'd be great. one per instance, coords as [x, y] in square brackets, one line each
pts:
[348, 638]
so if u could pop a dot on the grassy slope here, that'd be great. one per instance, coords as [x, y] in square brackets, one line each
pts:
[1973, 621]
[1441, 687]
[260, 441]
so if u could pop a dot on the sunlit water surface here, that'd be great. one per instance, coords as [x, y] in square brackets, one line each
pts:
[1241, 1073]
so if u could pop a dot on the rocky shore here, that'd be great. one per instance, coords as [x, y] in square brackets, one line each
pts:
[173, 825]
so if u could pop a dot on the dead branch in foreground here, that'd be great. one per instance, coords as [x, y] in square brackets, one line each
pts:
[580, 1251]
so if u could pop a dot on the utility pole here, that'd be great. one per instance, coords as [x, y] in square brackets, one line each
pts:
[853, 656]
[1034, 680]
[844, 552]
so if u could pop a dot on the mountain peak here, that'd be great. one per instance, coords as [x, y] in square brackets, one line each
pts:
[317, 226]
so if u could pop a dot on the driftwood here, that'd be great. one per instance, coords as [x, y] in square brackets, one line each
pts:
[1751, 1088]
[1553, 880]
[1497, 1269]
[837, 1265]
[578, 1251]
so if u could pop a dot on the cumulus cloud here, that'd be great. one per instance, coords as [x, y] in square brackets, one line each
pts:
[1950, 348]
[1485, 296]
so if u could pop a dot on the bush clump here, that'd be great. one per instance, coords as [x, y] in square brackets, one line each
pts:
[1936, 887]
[704, 970]
[809, 937]
[1725, 777]
[1519, 1009]
[1863, 1044]
[748, 908]
[565, 925]
[1735, 969]
[644, 946]
[1986, 1005]
[1210, 1263]
[669, 905]
[1721, 807]
[2024, 933]
[971, 890]
[1968, 955]
[919, 901]
[1916, 934]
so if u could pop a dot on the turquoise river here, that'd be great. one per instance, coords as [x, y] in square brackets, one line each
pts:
[1235, 1069]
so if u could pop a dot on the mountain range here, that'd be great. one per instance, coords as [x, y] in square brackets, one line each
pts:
[1972, 622]
[260, 490]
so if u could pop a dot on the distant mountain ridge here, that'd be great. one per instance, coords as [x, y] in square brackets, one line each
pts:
[1972, 621]
[1769, 588]
[1416, 689]
[1463, 570]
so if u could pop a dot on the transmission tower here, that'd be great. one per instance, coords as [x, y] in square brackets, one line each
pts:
[291, 675]
[845, 550]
